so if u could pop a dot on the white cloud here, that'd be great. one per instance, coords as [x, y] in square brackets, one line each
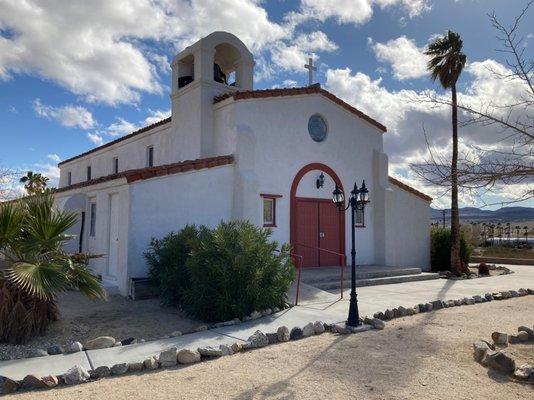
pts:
[95, 50]
[123, 127]
[413, 7]
[292, 57]
[405, 119]
[406, 59]
[54, 157]
[315, 41]
[95, 138]
[156, 116]
[352, 11]
[69, 115]
[120, 127]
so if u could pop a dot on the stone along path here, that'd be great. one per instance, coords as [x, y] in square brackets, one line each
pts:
[314, 305]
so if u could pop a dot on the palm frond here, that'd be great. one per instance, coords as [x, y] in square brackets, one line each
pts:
[44, 280]
[446, 59]
[82, 279]
[11, 217]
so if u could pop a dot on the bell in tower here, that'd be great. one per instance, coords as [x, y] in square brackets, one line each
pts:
[217, 64]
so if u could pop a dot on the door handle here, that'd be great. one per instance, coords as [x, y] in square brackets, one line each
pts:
[321, 234]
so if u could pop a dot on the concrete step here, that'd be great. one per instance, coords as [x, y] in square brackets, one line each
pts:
[313, 276]
[333, 286]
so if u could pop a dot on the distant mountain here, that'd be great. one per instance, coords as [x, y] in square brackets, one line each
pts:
[476, 214]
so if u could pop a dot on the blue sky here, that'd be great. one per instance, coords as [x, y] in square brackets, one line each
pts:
[73, 77]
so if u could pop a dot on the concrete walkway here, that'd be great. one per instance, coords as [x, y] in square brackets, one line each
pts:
[314, 305]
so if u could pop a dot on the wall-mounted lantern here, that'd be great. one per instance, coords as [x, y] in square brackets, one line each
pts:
[320, 181]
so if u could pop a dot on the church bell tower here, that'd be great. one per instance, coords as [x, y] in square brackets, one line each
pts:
[218, 63]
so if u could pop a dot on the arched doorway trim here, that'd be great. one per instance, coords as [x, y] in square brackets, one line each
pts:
[293, 203]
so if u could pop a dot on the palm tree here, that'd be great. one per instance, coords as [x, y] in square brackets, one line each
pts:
[446, 63]
[36, 269]
[34, 183]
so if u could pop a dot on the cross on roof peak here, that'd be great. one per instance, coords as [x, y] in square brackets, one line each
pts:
[310, 67]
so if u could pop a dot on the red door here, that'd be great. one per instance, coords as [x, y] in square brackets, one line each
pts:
[329, 234]
[318, 227]
[307, 232]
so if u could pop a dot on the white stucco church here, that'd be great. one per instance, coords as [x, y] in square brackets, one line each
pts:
[231, 152]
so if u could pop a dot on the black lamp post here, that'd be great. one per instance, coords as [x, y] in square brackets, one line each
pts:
[356, 202]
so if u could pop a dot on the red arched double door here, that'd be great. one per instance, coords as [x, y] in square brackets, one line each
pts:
[317, 227]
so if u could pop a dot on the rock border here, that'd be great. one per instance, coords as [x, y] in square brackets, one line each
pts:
[486, 353]
[103, 342]
[473, 275]
[173, 356]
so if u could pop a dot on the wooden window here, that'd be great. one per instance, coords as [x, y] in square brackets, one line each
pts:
[359, 219]
[150, 156]
[92, 225]
[88, 172]
[269, 209]
[115, 165]
[69, 178]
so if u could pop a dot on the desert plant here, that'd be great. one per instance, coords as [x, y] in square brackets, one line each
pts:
[440, 249]
[235, 269]
[166, 258]
[446, 64]
[34, 183]
[36, 268]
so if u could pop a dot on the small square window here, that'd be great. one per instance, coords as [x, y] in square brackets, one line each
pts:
[92, 225]
[269, 209]
[88, 172]
[150, 156]
[359, 220]
[69, 178]
[115, 165]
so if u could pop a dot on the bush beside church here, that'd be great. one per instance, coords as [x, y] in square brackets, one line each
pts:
[222, 273]
[440, 249]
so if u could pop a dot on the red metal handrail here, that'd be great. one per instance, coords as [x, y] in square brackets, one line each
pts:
[299, 268]
[344, 262]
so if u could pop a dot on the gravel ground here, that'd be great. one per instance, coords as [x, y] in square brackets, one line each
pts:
[82, 319]
[428, 356]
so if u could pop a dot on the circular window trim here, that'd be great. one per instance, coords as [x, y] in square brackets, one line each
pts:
[325, 135]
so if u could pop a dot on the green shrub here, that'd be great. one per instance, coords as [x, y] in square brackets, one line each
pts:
[440, 249]
[167, 258]
[234, 270]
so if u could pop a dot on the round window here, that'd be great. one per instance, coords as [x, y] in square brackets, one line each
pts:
[317, 128]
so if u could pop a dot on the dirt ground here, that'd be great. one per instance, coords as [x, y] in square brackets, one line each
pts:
[82, 319]
[427, 356]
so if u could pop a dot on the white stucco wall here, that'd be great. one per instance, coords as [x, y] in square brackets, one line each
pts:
[130, 152]
[99, 243]
[407, 229]
[272, 144]
[168, 203]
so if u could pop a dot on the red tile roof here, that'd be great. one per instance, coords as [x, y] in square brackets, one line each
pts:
[409, 189]
[134, 175]
[314, 89]
[137, 132]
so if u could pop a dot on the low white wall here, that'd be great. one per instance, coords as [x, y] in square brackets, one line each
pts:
[407, 229]
[161, 205]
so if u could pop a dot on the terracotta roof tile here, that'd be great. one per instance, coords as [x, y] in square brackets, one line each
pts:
[134, 175]
[137, 132]
[409, 189]
[240, 95]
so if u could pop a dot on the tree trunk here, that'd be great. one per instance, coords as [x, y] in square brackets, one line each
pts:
[455, 215]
